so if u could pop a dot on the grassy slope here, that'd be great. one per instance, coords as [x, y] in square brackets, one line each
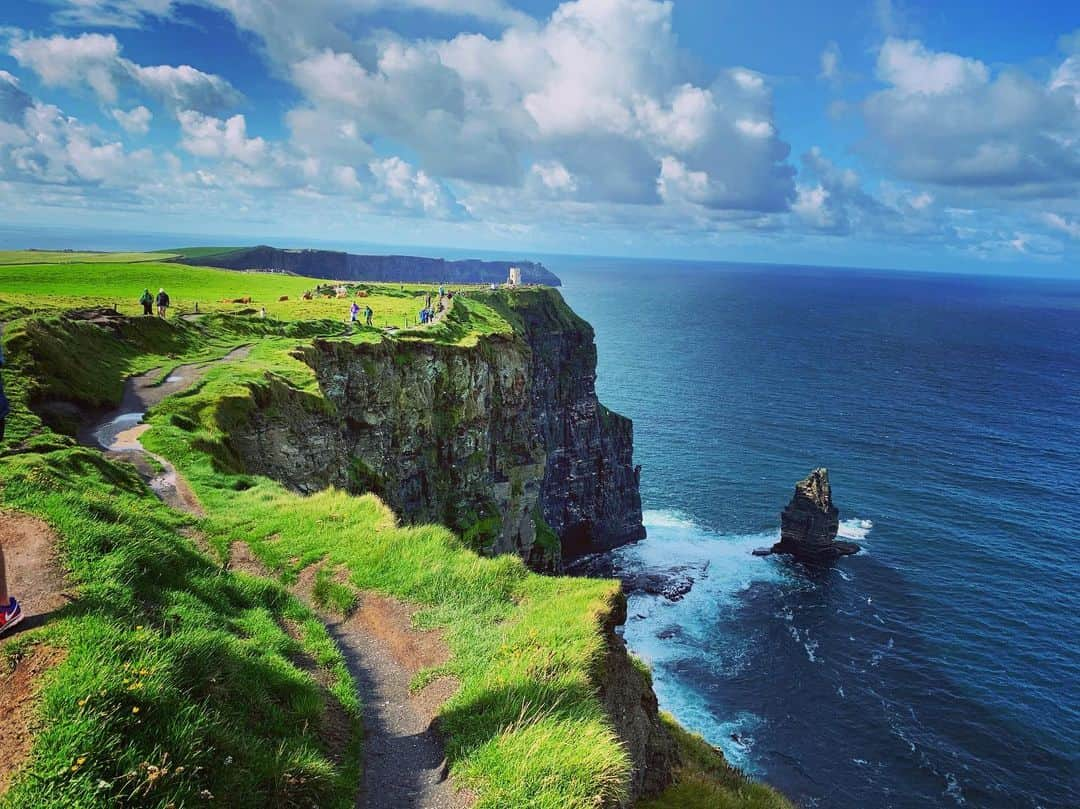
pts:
[167, 653]
[102, 283]
[526, 728]
[74, 257]
[200, 252]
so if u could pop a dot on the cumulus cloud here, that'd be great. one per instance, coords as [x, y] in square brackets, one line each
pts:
[135, 121]
[404, 186]
[39, 144]
[598, 88]
[94, 61]
[289, 30]
[946, 119]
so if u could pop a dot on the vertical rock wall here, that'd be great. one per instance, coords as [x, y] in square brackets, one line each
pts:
[504, 442]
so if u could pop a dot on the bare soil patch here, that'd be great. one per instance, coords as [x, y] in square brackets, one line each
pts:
[33, 573]
[19, 689]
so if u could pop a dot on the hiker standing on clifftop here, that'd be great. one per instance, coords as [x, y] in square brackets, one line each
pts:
[162, 302]
[147, 301]
[354, 312]
[368, 314]
[10, 611]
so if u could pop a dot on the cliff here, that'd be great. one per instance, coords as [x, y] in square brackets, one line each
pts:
[504, 441]
[340, 266]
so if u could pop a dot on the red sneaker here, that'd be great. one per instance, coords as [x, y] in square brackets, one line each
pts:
[10, 615]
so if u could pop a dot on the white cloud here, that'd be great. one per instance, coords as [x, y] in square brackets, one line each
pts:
[554, 177]
[1070, 227]
[206, 136]
[94, 61]
[135, 121]
[41, 145]
[911, 68]
[599, 88]
[413, 190]
[830, 62]
[945, 119]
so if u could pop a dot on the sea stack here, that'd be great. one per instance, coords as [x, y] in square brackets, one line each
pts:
[809, 524]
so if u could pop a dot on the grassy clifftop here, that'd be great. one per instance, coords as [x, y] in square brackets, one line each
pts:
[184, 683]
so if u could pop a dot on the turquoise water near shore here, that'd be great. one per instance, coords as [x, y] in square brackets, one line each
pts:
[940, 666]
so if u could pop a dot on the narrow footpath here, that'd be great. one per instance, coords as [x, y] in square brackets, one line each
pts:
[404, 763]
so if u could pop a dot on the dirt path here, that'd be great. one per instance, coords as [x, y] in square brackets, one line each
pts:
[35, 578]
[118, 432]
[33, 574]
[404, 762]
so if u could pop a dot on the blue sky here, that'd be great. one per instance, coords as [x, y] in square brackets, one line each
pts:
[915, 135]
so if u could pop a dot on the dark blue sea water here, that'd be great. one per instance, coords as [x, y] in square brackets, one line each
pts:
[941, 666]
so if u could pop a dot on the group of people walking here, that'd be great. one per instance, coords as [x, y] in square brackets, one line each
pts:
[354, 314]
[147, 300]
[428, 313]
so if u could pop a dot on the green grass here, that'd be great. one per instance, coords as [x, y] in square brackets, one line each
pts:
[200, 252]
[76, 257]
[706, 781]
[526, 728]
[59, 286]
[171, 663]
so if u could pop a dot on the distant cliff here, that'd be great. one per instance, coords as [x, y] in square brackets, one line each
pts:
[340, 266]
[504, 441]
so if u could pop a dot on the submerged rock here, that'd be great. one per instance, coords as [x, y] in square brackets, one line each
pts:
[809, 524]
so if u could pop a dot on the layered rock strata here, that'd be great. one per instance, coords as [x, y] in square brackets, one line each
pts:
[810, 522]
[504, 441]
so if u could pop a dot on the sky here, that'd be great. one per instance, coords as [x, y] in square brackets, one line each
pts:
[936, 135]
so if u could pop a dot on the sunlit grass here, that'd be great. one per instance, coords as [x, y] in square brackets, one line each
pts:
[221, 707]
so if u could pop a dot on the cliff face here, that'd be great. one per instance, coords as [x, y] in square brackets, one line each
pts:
[630, 703]
[505, 442]
[341, 266]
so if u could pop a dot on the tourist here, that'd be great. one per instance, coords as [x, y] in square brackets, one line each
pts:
[368, 314]
[147, 301]
[162, 302]
[10, 611]
[354, 312]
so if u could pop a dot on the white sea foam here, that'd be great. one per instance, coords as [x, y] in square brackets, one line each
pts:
[953, 790]
[855, 528]
[670, 632]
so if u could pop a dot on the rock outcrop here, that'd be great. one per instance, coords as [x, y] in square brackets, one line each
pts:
[504, 441]
[809, 524]
[627, 695]
[339, 266]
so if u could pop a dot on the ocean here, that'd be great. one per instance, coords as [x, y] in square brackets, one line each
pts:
[938, 667]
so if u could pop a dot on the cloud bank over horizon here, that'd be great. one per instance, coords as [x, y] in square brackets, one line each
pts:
[590, 124]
